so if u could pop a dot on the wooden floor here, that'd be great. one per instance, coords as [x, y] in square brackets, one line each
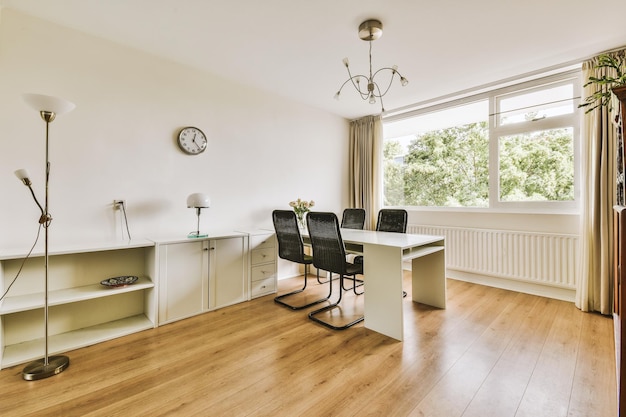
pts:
[490, 353]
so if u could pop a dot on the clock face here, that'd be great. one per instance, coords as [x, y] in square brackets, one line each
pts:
[192, 140]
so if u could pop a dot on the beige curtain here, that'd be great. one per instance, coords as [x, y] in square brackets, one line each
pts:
[364, 180]
[599, 170]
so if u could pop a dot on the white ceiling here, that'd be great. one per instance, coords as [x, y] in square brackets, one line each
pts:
[294, 48]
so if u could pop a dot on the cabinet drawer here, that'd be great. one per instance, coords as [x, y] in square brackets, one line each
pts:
[262, 255]
[262, 241]
[262, 287]
[262, 272]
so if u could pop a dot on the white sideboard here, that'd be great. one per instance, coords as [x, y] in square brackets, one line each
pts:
[263, 267]
[178, 278]
[201, 274]
[183, 279]
[82, 311]
[228, 271]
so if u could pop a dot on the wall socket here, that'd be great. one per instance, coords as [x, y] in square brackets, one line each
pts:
[117, 204]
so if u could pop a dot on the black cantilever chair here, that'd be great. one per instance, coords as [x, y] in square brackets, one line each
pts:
[329, 254]
[353, 218]
[290, 247]
[392, 220]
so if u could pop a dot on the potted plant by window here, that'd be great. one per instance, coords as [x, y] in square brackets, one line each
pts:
[615, 79]
[613, 82]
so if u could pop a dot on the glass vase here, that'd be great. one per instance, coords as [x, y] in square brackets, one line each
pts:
[301, 221]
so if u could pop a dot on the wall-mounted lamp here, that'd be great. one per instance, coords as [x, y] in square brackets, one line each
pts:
[48, 108]
[198, 201]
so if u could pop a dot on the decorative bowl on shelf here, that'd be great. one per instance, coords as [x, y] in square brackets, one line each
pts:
[121, 281]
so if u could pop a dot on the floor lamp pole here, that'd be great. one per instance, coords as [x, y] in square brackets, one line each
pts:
[49, 365]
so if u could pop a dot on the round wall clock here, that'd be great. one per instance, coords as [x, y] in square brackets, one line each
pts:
[192, 140]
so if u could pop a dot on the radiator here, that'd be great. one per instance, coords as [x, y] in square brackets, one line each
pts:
[539, 258]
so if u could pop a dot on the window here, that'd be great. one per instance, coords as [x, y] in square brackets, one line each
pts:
[510, 149]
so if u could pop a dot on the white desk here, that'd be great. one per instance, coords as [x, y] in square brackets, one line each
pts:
[383, 255]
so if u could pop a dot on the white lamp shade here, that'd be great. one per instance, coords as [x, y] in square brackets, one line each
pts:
[22, 174]
[55, 105]
[198, 200]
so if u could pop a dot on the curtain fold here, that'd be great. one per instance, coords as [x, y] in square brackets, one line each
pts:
[599, 173]
[364, 177]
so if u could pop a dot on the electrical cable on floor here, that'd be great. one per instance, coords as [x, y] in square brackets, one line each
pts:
[23, 262]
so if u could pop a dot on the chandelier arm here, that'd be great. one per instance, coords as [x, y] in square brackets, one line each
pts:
[357, 86]
[386, 89]
[394, 72]
[380, 96]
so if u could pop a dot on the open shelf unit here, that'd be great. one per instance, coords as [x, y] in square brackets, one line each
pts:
[81, 310]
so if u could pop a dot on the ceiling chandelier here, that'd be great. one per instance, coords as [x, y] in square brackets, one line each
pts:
[370, 30]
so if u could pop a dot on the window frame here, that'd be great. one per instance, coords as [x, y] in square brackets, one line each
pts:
[496, 131]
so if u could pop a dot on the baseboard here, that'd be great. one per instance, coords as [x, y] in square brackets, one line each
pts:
[564, 294]
[549, 291]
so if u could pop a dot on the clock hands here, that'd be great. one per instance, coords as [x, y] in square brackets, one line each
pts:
[194, 141]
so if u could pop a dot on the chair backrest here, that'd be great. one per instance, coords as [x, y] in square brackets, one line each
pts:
[392, 220]
[329, 252]
[353, 218]
[290, 245]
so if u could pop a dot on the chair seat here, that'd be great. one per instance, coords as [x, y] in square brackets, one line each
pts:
[353, 269]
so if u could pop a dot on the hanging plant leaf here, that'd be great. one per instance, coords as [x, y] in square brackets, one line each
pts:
[605, 83]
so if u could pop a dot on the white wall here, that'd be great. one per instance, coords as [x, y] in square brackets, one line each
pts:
[119, 142]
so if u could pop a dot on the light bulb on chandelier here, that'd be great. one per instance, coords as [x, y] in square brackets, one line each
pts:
[370, 30]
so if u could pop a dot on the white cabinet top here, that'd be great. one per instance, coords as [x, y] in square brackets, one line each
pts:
[74, 247]
[183, 239]
[64, 248]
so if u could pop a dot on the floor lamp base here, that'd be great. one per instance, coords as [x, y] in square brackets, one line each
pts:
[39, 370]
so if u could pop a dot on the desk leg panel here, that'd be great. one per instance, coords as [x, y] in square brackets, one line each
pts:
[429, 279]
[383, 290]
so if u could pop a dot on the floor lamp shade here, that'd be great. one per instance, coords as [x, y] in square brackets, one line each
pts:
[23, 175]
[51, 104]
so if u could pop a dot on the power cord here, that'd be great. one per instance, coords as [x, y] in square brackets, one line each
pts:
[19, 271]
[126, 220]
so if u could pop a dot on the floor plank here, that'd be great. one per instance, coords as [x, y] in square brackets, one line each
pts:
[490, 353]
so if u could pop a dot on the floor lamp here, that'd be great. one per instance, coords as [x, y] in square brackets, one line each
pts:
[48, 108]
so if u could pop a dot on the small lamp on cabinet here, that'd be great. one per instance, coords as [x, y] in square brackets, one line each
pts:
[198, 201]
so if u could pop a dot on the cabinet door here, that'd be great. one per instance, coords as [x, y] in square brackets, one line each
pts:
[183, 276]
[227, 272]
